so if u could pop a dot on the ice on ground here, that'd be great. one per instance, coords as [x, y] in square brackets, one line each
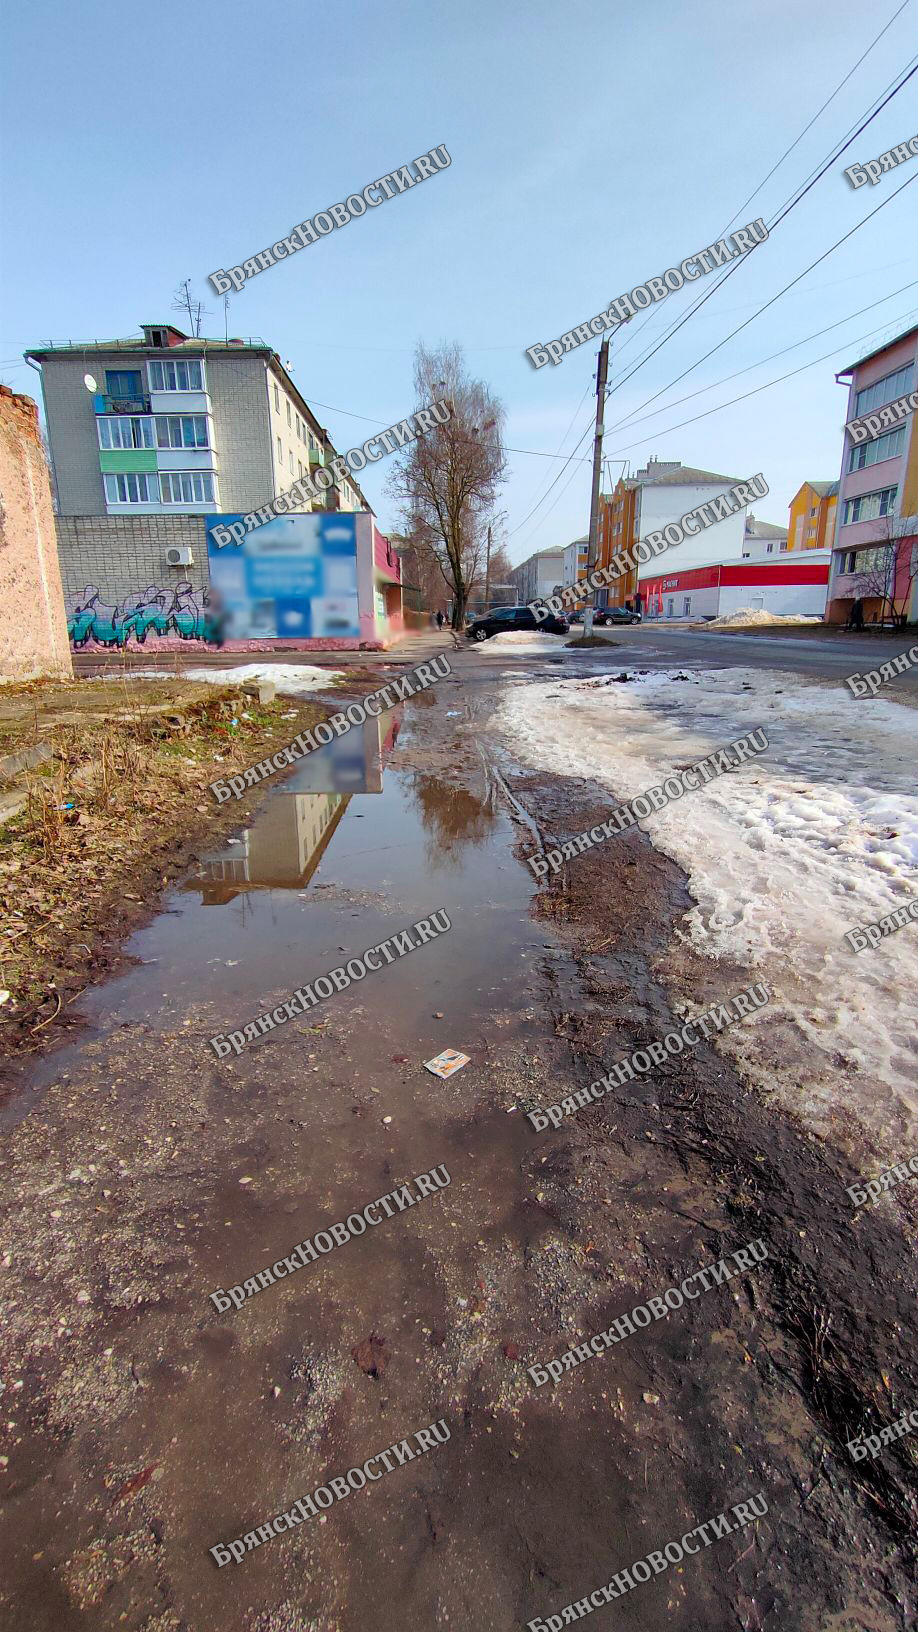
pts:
[814, 837]
[294, 678]
[525, 640]
[755, 615]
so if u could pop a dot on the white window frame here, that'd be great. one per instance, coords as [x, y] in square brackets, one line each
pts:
[111, 479]
[195, 477]
[890, 494]
[174, 363]
[878, 449]
[896, 384]
[276, 400]
[181, 419]
[280, 454]
[108, 422]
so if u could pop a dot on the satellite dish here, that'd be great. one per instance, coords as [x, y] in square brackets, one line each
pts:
[89, 382]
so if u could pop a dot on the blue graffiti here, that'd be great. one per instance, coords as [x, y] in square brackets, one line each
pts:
[180, 609]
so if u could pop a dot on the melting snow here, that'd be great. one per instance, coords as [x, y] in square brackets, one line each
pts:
[816, 836]
[294, 678]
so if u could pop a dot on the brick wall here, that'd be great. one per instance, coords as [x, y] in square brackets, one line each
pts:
[33, 624]
[124, 555]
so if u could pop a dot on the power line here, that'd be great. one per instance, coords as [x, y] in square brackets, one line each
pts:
[904, 318]
[628, 421]
[791, 204]
[824, 256]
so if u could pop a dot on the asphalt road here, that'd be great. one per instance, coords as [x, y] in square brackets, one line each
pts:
[820, 656]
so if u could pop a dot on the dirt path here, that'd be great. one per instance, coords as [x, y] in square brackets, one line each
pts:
[146, 1427]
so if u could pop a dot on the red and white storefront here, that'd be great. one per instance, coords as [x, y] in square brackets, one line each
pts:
[797, 583]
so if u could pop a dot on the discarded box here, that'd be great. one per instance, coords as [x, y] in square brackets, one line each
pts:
[447, 1063]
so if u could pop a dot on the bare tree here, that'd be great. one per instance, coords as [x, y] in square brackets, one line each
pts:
[183, 301]
[449, 477]
[891, 566]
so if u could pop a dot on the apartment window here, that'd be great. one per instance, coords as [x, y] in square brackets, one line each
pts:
[882, 391]
[134, 487]
[276, 400]
[870, 506]
[289, 420]
[290, 460]
[187, 486]
[178, 376]
[123, 382]
[125, 433]
[848, 560]
[280, 455]
[782, 547]
[882, 447]
[181, 431]
[813, 511]
[769, 549]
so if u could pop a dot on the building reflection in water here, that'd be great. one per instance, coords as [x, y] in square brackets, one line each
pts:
[291, 833]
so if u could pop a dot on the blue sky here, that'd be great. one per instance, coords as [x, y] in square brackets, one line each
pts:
[592, 147]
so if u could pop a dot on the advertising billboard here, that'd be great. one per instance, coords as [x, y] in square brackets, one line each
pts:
[294, 578]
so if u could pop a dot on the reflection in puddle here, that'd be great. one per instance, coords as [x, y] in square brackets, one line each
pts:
[285, 844]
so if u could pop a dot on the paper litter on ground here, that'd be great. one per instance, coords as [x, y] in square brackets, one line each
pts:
[447, 1063]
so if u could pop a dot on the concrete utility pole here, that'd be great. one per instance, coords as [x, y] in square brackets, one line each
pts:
[488, 574]
[601, 375]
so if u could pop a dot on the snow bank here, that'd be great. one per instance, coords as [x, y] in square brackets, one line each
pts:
[524, 640]
[294, 678]
[756, 616]
[816, 836]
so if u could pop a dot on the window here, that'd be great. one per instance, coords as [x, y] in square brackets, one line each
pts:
[299, 429]
[882, 391]
[178, 376]
[769, 549]
[290, 459]
[132, 488]
[125, 433]
[784, 545]
[871, 560]
[187, 487]
[870, 506]
[848, 560]
[276, 400]
[289, 420]
[181, 431]
[671, 606]
[123, 382]
[882, 447]
[280, 455]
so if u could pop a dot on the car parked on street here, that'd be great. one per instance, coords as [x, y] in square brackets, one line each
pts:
[504, 618]
[615, 614]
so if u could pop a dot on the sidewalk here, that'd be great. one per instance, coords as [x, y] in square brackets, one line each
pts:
[414, 648]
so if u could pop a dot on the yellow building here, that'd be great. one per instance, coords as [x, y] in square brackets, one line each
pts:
[616, 533]
[811, 524]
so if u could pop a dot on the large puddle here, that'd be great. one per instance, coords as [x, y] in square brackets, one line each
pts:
[242, 1412]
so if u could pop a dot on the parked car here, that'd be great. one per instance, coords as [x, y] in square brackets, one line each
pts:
[503, 618]
[622, 614]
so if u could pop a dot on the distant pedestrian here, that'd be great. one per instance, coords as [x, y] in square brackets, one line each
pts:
[856, 620]
[440, 619]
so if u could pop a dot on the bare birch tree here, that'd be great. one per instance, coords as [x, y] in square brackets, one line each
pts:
[448, 479]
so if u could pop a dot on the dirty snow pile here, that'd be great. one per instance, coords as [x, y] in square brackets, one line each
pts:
[525, 640]
[293, 678]
[816, 836]
[755, 616]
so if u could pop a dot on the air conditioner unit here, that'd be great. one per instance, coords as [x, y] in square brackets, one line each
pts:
[179, 555]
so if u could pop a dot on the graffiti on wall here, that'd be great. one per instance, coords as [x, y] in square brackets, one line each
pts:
[179, 610]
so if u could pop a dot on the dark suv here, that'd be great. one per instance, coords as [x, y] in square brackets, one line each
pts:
[616, 614]
[503, 618]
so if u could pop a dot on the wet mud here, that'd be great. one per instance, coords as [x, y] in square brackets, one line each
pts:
[141, 1427]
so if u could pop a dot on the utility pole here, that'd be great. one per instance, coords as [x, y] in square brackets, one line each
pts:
[601, 375]
[488, 573]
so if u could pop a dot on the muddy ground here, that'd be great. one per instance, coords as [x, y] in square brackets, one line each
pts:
[141, 1427]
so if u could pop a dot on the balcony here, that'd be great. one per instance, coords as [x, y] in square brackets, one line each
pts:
[317, 456]
[120, 405]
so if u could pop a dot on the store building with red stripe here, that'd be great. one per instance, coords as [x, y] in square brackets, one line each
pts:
[796, 583]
